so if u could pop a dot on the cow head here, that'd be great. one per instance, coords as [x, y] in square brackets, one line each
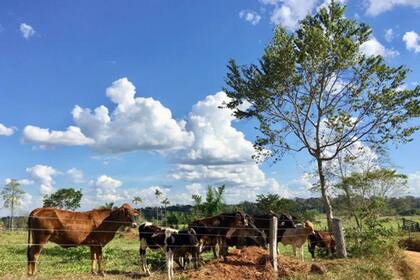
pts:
[241, 219]
[127, 215]
[309, 226]
[285, 221]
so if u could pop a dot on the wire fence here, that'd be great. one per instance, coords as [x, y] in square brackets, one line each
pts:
[214, 231]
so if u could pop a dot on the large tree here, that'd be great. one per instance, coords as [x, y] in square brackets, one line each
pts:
[68, 199]
[12, 195]
[314, 90]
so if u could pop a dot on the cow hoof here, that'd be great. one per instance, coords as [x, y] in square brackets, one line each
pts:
[102, 274]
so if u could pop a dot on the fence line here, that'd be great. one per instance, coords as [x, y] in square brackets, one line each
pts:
[104, 221]
[179, 233]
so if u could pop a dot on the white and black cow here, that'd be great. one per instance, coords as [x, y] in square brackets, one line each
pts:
[175, 244]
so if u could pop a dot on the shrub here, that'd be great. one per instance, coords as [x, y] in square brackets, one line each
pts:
[374, 238]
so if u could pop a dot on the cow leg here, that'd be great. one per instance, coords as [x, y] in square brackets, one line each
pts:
[311, 249]
[301, 252]
[294, 249]
[93, 258]
[100, 259]
[170, 263]
[223, 251]
[143, 260]
[196, 257]
[35, 250]
[33, 253]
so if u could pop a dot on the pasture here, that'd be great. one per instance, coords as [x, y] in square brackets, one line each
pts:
[121, 262]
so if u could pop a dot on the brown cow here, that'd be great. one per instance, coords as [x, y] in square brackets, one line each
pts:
[322, 239]
[93, 228]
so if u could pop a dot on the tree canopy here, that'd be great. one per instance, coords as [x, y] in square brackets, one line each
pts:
[68, 199]
[314, 90]
[12, 195]
[213, 203]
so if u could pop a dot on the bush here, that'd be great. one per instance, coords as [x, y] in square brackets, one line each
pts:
[374, 238]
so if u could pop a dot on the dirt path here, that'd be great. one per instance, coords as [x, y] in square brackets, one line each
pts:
[414, 257]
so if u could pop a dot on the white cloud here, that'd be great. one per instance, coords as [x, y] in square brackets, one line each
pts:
[269, 2]
[106, 189]
[376, 7]
[412, 41]
[215, 140]
[220, 154]
[250, 16]
[373, 47]
[288, 13]
[43, 174]
[76, 175]
[6, 131]
[26, 30]
[195, 189]
[135, 124]
[233, 175]
[22, 182]
[26, 202]
[389, 35]
[414, 184]
[44, 137]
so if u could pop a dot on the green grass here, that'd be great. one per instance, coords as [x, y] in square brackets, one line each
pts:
[121, 259]
[120, 256]
[122, 262]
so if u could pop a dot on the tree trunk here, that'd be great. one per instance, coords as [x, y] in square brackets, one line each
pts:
[327, 203]
[12, 208]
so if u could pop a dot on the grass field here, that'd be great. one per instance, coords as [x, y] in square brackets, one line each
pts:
[121, 260]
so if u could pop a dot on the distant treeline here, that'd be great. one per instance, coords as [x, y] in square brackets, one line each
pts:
[299, 208]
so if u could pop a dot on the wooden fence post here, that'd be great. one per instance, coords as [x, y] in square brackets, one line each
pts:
[338, 233]
[273, 244]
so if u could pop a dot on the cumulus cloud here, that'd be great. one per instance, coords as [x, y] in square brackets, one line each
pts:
[44, 137]
[22, 182]
[204, 148]
[414, 184]
[412, 41]
[373, 47]
[250, 16]
[216, 141]
[106, 188]
[135, 124]
[242, 175]
[288, 13]
[6, 131]
[26, 30]
[376, 7]
[43, 174]
[220, 154]
[389, 35]
[76, 175]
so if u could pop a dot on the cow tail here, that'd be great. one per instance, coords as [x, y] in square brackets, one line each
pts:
[29, 236]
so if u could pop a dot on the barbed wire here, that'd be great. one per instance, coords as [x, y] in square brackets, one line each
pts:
[121, 222]
[293, 230]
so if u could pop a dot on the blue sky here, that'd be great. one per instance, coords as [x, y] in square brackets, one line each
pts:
[56, 55]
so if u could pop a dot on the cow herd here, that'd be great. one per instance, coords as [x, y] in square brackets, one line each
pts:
[97, 227]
